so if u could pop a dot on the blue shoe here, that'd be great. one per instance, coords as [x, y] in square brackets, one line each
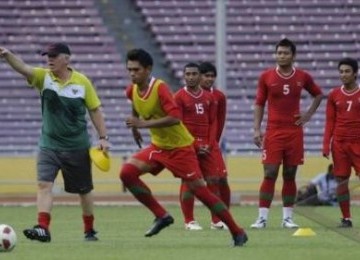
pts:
[345, 223]
[240, 239]
[159, 224]
[90, 235]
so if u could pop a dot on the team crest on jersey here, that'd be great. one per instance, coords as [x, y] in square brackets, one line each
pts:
[299, 83]
[75, 91]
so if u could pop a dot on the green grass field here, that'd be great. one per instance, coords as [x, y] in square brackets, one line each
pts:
[121, 230]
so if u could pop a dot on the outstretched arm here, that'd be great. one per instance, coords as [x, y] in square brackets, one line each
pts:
[16, 63]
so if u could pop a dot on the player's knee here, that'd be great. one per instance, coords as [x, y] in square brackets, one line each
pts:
[128, 172]
[270, 176]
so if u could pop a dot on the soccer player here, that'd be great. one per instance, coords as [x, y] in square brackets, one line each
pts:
[342, 133]
[197, 108]
[171, 147]
[283, 141]
[66, 96]
[208, 76]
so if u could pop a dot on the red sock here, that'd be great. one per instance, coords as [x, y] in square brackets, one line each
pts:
[267, 190]
[289, 192]
[44, 219]
[88, 223]
[225, 192]
[343, 197]
[130, 177]
[214, 188]
[187, 203]
[218, 207]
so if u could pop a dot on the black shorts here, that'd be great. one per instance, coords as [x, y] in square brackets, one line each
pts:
[74, 165]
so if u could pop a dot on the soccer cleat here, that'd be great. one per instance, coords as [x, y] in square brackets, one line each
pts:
[218, 226]
[240, 239]
[90, 235]
[288, 223]
[193, 225]
[159, 224]
[38, 233]
[345, 223]
[259, 223]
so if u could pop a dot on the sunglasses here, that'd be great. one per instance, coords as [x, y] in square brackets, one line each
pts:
[52, 55]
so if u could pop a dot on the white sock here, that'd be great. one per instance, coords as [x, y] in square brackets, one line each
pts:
[263, 213]
[287, 212]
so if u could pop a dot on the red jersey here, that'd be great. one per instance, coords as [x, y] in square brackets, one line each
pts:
[198, 113]
[342, 116]
[220, 107]
[283, 94]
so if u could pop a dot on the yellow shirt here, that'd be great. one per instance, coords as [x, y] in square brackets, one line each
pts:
[154, 105]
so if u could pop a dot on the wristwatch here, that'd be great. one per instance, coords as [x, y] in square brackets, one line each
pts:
[105, 137]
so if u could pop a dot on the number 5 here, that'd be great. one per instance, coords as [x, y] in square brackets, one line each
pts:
[286, 89]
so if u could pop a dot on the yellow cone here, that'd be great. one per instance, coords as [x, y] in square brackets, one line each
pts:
[100, 159]
[304, 232]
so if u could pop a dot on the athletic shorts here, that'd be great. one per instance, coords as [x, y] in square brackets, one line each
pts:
[345, 155]
[74, 165]
[181, 162]
[283, 146]
[212, 164]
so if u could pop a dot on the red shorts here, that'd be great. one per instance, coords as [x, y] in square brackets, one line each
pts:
[345, 155]
[212, 164]
[182, 162]
[284, 146]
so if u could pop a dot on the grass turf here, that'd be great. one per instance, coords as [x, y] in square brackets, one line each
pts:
[121, 232]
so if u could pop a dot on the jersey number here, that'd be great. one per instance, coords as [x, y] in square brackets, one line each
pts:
[199, 109]
[349, 105]
[286, 89]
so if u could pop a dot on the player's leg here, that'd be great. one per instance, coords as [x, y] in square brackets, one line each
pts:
[213, 185]
[77, 175]
[272, 155]
[183, 164]
[293, 156]
[266, 194]
[342, 172]
[130, 174]
[222, 189]
[213, 167]
[216, 206]
[288, 196]
[187, 201]
[47, 169]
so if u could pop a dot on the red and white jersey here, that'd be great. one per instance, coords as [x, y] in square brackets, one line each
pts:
[283, 94]
[342, 115]
[220, 104]
[198, 112]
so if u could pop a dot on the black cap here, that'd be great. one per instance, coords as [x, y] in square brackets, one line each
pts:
[56, 48]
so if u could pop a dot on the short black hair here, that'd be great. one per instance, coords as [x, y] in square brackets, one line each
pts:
[140, 55]
[286, 43]
[206, 67]
[351, 62]
[191, 65]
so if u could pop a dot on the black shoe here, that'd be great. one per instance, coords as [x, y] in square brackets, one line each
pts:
[240, 239]
[38, 233]
[345, 223]
[90, 235]
[159, 224]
